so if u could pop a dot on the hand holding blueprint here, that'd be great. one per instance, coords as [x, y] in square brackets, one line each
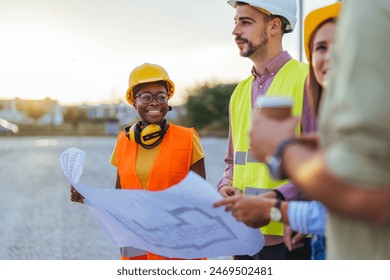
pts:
[179, 222]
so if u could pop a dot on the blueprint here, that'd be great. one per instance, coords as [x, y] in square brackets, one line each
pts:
[72, 163]
[179, 222]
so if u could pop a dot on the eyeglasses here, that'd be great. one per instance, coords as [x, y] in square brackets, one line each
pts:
[147, 97]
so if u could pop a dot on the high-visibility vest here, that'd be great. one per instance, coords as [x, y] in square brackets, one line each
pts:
[249, 175]
[170, 167]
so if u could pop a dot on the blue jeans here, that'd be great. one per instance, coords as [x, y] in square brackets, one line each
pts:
[280, 252]
[318, 247]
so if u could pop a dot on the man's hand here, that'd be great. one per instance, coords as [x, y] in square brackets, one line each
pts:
[227, 191]
[252, 210]
[266, 134]
[292, 239]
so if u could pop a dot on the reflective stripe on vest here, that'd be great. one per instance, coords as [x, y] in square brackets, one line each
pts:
[170, 167]
[247, 172]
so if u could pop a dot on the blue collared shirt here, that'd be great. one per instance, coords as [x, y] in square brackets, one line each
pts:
[307, 217]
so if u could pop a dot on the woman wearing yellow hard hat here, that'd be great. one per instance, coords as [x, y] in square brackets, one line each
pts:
[319, 34]
[319, 31]
[153, 154]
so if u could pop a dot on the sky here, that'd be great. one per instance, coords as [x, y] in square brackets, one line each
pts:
[82, 51]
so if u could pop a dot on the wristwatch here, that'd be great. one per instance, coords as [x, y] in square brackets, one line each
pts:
[275, 214]
[274, 162]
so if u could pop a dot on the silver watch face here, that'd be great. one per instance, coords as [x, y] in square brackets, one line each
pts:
[275, 214]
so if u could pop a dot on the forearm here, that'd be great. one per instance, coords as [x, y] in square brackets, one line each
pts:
[199, 168]
[306, 167]
[225, 184]
[225, 180]
[227, 177]
[118, 181]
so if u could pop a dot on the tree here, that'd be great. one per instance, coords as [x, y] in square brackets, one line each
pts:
[207, 106]
[74, 116]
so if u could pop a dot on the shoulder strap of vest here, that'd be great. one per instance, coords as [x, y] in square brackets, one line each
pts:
[290, 78]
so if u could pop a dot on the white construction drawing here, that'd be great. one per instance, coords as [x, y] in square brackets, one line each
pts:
[179, 222]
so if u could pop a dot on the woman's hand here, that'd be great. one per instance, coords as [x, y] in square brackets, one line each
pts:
[75, 196]
[293, 240]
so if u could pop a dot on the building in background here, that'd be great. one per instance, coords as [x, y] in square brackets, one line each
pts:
[47, 111]
[38, 112]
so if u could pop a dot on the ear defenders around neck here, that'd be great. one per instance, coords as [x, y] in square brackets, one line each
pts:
[146, 136]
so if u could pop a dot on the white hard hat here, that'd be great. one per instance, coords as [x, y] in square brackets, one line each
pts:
[284, 8]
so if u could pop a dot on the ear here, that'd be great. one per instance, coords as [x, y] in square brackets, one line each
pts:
[275, 26]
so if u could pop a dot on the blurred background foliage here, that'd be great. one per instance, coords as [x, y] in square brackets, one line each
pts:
[207, 108]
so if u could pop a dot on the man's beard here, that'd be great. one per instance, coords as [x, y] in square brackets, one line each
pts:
[258, 49]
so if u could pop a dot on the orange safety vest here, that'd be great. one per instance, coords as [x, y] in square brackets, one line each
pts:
[170, 167]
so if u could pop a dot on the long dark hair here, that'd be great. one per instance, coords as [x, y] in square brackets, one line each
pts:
[314, 88]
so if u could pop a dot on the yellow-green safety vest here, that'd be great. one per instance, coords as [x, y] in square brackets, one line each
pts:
[249, 175]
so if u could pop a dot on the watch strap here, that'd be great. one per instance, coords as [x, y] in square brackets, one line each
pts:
[282, 146]
[279, 152]
[278, 203]
[275, 212]
[279, 195]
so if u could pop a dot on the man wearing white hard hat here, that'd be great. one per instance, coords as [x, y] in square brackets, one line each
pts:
[259, 28]
[348, 168]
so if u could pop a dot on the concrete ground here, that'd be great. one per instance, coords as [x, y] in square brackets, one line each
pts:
[38, 220]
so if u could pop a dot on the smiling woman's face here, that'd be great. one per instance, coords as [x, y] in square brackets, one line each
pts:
[152, 112]
[322, 46]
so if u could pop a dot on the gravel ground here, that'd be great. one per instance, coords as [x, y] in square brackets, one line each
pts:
[38, 221]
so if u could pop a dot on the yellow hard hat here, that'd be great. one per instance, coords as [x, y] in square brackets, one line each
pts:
[148, 73]
[315, 18]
